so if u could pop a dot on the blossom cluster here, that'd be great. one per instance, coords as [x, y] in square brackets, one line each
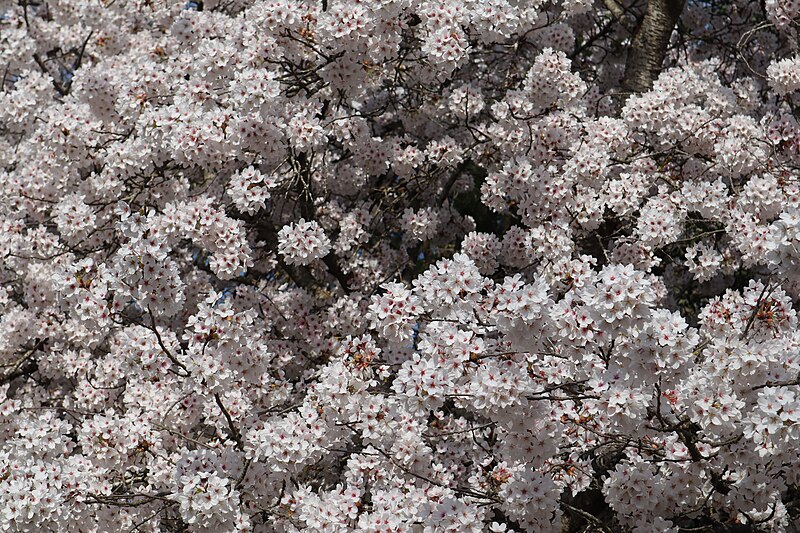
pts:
[399, 265]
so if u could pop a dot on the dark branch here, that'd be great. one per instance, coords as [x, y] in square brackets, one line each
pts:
[237, 437]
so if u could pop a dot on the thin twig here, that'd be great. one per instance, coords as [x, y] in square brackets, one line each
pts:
[587, 516]
[237, 437]
[164, 347]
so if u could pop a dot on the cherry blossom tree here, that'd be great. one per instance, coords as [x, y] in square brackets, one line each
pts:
[399, 266]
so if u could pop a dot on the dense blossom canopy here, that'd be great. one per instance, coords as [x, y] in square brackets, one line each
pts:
[399, 266]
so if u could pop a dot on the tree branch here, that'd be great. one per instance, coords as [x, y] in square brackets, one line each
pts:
[237, 437]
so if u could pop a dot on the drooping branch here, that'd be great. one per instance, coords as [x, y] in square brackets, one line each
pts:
[649, 45]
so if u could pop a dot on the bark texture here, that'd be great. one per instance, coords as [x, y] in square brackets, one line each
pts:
[649, 45]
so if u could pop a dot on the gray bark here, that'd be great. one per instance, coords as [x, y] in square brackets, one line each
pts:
[649, 46]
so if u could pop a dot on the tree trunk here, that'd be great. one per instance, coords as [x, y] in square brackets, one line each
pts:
[649, 45]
